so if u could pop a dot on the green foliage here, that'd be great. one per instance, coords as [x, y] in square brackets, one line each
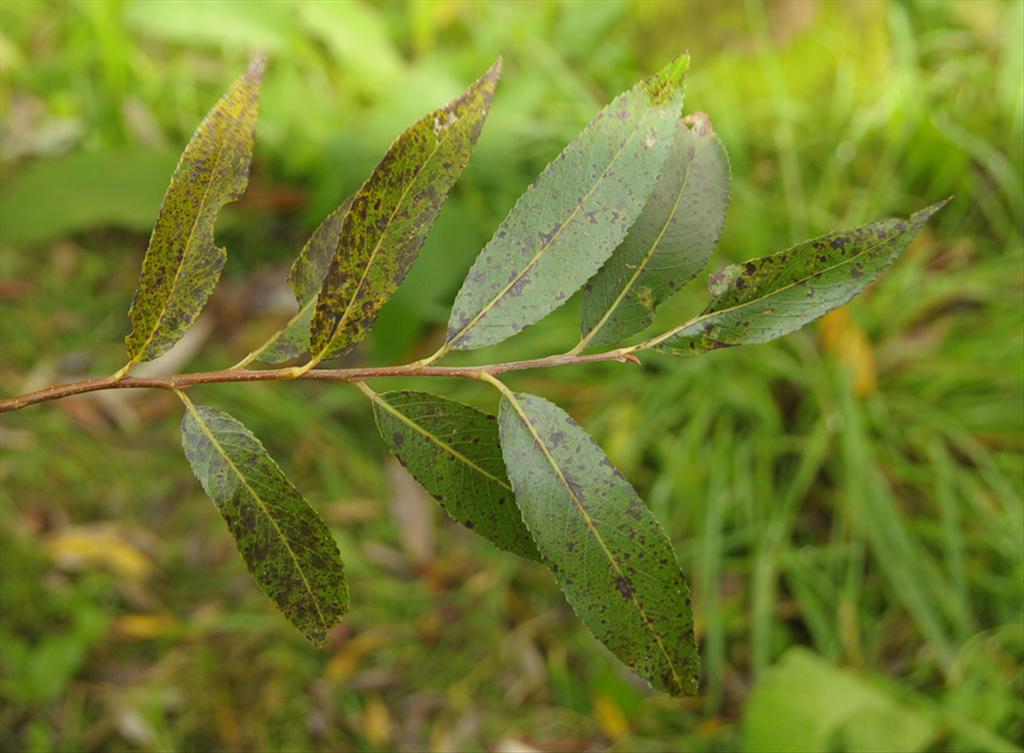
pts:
[669, 243]
[804, 705]
[283, 541]
[605, 548]
[306, 277]
[762, 299]
[182, 264]
[453, 451]
[778, 471]
[572, 217]
[391, 215]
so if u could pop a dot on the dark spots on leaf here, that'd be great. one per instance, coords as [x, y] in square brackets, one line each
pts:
[623, 586]
[749, 269]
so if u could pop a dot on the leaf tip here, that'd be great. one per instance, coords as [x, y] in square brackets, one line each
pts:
[256, 68]
[923, 215]
[699, 124]
[666, 84]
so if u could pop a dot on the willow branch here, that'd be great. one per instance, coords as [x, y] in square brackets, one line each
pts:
[184, 381]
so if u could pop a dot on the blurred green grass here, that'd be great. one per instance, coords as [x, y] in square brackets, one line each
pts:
[855, 489]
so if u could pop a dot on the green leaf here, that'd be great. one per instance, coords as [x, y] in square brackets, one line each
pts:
[182, 264]
[391, 216]
[134, 179]
[284, 543]
[605, 548]
[804, 704]
[763, 299]
[670, 241]
[452, 450]
[573, 216]
[306, 278]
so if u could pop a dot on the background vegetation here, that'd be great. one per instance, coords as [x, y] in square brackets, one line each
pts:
[847, 502]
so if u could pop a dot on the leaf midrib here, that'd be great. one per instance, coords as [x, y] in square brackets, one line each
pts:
[510, 396]
[543, 249]
[437, 440]
[188, 242]
[643, 264]
[373, 255]
[262, 505]
[707, 315]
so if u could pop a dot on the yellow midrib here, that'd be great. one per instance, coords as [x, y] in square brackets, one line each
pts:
[188, 243]
[697, 320]
[597, 535]
[543, 249]
[436, 440]
[373, 255]
[643, 264]
[262, 505]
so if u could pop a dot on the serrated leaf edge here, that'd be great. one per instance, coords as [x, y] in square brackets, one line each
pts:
[923, 214]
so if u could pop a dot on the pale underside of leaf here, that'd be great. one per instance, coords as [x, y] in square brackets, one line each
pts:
[573, 216]
[668, 244]
[306, 277]
[391, 215]
[452, 450]
[768, 297]
[605, 548]
[285, 544]
[182, 265]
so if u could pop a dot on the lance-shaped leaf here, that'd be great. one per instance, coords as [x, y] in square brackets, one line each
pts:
[306, 278]
[391, 215]
[605, 548]
[762, 299]
[284, 543]
[670, 241]
[182, 264]
[453, 451]
[573, 216]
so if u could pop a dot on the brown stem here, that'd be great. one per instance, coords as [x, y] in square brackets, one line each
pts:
[184, 381]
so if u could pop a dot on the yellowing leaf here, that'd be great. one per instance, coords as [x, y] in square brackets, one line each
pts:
[343, 663]
[391, 215]
[377, 722]
[609, 717]
[98, 546]
[145, 626]
[841, 336]
[182, 264]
